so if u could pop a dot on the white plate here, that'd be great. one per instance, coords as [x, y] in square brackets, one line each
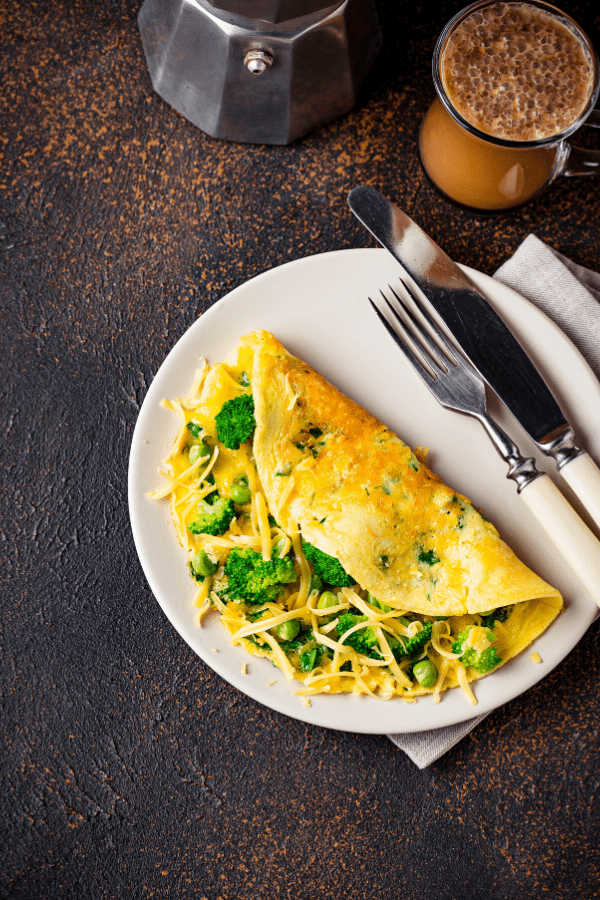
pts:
[318, 309]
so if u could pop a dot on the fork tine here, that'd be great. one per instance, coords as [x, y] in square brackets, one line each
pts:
[403, 346]
[431, 352]
[457, 386]
[450, 350]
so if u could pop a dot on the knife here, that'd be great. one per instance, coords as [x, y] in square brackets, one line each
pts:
[484, 338]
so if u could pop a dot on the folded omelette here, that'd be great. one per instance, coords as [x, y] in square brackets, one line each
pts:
[327, 545]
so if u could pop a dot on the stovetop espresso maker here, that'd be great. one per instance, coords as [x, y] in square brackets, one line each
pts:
[259, 71]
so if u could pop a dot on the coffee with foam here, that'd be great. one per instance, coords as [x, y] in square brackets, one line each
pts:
[516, 72]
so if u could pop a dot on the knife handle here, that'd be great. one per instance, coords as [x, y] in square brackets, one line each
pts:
[583, 476]
[570, 535]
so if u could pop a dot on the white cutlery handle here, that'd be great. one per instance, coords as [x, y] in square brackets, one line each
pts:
[570, 535]
[583, 476]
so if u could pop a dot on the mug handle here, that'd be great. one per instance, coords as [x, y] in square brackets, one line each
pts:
[580, 161]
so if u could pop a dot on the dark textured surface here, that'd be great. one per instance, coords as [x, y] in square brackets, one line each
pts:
[129, 767]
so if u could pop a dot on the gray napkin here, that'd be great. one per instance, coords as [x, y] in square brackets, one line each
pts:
[569, 295]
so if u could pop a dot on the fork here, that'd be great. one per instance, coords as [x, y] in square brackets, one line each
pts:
[458, 386]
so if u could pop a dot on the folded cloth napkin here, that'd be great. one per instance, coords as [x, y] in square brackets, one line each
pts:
[569, 295]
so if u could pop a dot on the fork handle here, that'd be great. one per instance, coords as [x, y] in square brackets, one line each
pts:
[570, 535]
[583, 476]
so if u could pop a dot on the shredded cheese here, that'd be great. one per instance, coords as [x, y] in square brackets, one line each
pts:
[389, 657]
[257, 627]
[174, 406]
[305, 575]
[441, 631]
[442, 671]
[262, 520]
[285, 495]
[461, 674]
[179, 442]
[280, 657]
[192, 398]
[201, 595]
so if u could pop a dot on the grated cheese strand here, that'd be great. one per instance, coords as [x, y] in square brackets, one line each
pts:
[178, 445]
[202, 612]
[174, 406]
[198, 493]
[461, 674]
[262, 520]
[327, 676]
[282, 660]
[320, 638]
[192, 398]
[442, 671]
[182, 532]
[442, 630]
[256, 627]
[377, 615]
[402, 679]
[305, 576]
[291, 484]
[163, 492]
[201, 595]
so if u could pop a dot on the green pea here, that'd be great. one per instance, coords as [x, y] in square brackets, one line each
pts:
[288, 630]
[315, 583]
[199, 451]
[327, 599]
[425, 672]
[202, 564]
[240, 492]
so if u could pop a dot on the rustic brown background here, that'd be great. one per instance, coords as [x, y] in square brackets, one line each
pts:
[129, 768]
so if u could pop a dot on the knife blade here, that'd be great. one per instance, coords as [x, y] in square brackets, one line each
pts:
[484, 338]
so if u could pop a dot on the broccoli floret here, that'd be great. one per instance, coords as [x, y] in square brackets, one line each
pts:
[363, 641]
[327, 567]
[402, 646]
[254, 579]
[501, 614]
[482, 662]
[235, 421]
[412, 646]
[214, 517]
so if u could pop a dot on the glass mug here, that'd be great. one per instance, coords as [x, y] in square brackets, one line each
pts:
[514, 80]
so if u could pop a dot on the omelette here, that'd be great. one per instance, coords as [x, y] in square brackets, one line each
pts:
[327, 545]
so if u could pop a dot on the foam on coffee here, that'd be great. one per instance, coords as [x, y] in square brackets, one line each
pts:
[516, 72]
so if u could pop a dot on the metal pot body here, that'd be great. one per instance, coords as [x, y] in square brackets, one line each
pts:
[273, 11]
[251, 81]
